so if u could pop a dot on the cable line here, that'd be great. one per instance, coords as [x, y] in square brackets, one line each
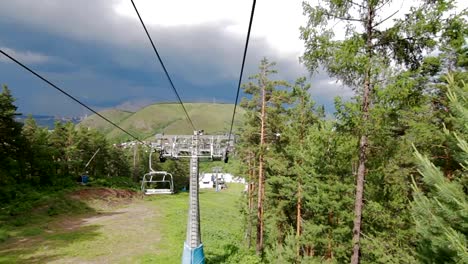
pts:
[70, 96]
[242, 68]
[162, 64]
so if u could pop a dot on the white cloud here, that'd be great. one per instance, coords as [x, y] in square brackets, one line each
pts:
[276, 21]
[324, 87]
[28, 57]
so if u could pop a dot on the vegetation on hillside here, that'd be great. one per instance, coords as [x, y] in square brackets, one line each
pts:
[167, 118]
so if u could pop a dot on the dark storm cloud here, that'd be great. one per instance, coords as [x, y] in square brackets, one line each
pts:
[105, 59]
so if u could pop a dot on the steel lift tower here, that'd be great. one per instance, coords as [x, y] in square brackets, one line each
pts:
[195, 147]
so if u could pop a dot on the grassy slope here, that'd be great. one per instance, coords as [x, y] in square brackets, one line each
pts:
[145, 231]
[115, 115]
[221, 226]
[170, 119]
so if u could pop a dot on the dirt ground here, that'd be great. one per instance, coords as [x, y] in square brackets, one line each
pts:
[122, 229]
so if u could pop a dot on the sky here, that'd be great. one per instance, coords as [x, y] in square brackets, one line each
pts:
[97, 51]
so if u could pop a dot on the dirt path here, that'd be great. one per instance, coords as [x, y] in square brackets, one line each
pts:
[124, 234]
[123, 230]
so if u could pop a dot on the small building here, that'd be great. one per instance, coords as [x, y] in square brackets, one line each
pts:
[208, 180]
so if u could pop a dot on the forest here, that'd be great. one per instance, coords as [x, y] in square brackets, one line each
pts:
[381, 179]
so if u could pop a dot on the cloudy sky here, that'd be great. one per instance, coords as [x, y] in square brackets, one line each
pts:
[97, 51]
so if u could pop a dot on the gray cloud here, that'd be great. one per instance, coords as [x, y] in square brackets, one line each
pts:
[202, 55]
[326, 87]
[24, 56]
[202, 50]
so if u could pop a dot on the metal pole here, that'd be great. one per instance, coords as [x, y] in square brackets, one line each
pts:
[216, 171]
[94, 155]
[217, 181]
[193, 248]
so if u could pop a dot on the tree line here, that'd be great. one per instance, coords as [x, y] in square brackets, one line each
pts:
[36, 157]
[385, 179]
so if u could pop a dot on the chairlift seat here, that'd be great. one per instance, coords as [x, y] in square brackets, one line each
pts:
[155, 177]
[158, 191]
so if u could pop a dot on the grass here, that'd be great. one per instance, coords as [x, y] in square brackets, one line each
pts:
[98, 123]
[151, 230]
[45, 247]
[25, 223]
[24, 216]
[221, 227]
[168, 118]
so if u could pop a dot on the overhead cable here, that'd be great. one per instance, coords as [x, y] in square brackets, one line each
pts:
[162, 64]
[242, 67]
[68, 95]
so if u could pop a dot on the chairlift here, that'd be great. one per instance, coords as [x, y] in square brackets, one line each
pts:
[157, 182]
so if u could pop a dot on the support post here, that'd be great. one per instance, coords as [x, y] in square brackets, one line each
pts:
[216, 170]
[193, 248]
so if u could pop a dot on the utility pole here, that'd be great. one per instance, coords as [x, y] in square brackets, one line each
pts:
[195, 147]
[216, 170]
[134, 163]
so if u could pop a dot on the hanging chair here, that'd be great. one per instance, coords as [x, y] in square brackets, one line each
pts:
[157, 182]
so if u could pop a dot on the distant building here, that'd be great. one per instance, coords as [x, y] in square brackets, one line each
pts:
[208, 180]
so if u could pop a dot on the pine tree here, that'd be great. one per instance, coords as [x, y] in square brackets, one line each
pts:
[39, 156]
[360, 60]
[11, 141]
[264, 111]
[440, 206]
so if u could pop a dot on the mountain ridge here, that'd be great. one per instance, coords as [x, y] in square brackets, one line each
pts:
[165, 117]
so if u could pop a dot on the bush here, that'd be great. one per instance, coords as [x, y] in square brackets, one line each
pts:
[114, 182]
[20, 208]
[4, 235]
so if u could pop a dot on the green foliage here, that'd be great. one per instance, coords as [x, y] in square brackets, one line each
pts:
[116, 182]
[406, 106]
[32, 231]
[4, 235]
[11, 143]
[34, 159]
[440, 206]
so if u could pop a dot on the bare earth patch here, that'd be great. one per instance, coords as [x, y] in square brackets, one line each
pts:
[123, 234]
[124, 228]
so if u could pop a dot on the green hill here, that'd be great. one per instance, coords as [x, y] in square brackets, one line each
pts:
[167, 118]
[96, 122]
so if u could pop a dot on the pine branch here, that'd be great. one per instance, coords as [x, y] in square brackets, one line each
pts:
[384, 4]
[343, 18]
[356, 4]
[385, 19]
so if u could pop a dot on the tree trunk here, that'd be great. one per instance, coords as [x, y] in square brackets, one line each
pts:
[299, 184]
[363, 143]
[250, 197]
[298, 219]
[261, 176]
